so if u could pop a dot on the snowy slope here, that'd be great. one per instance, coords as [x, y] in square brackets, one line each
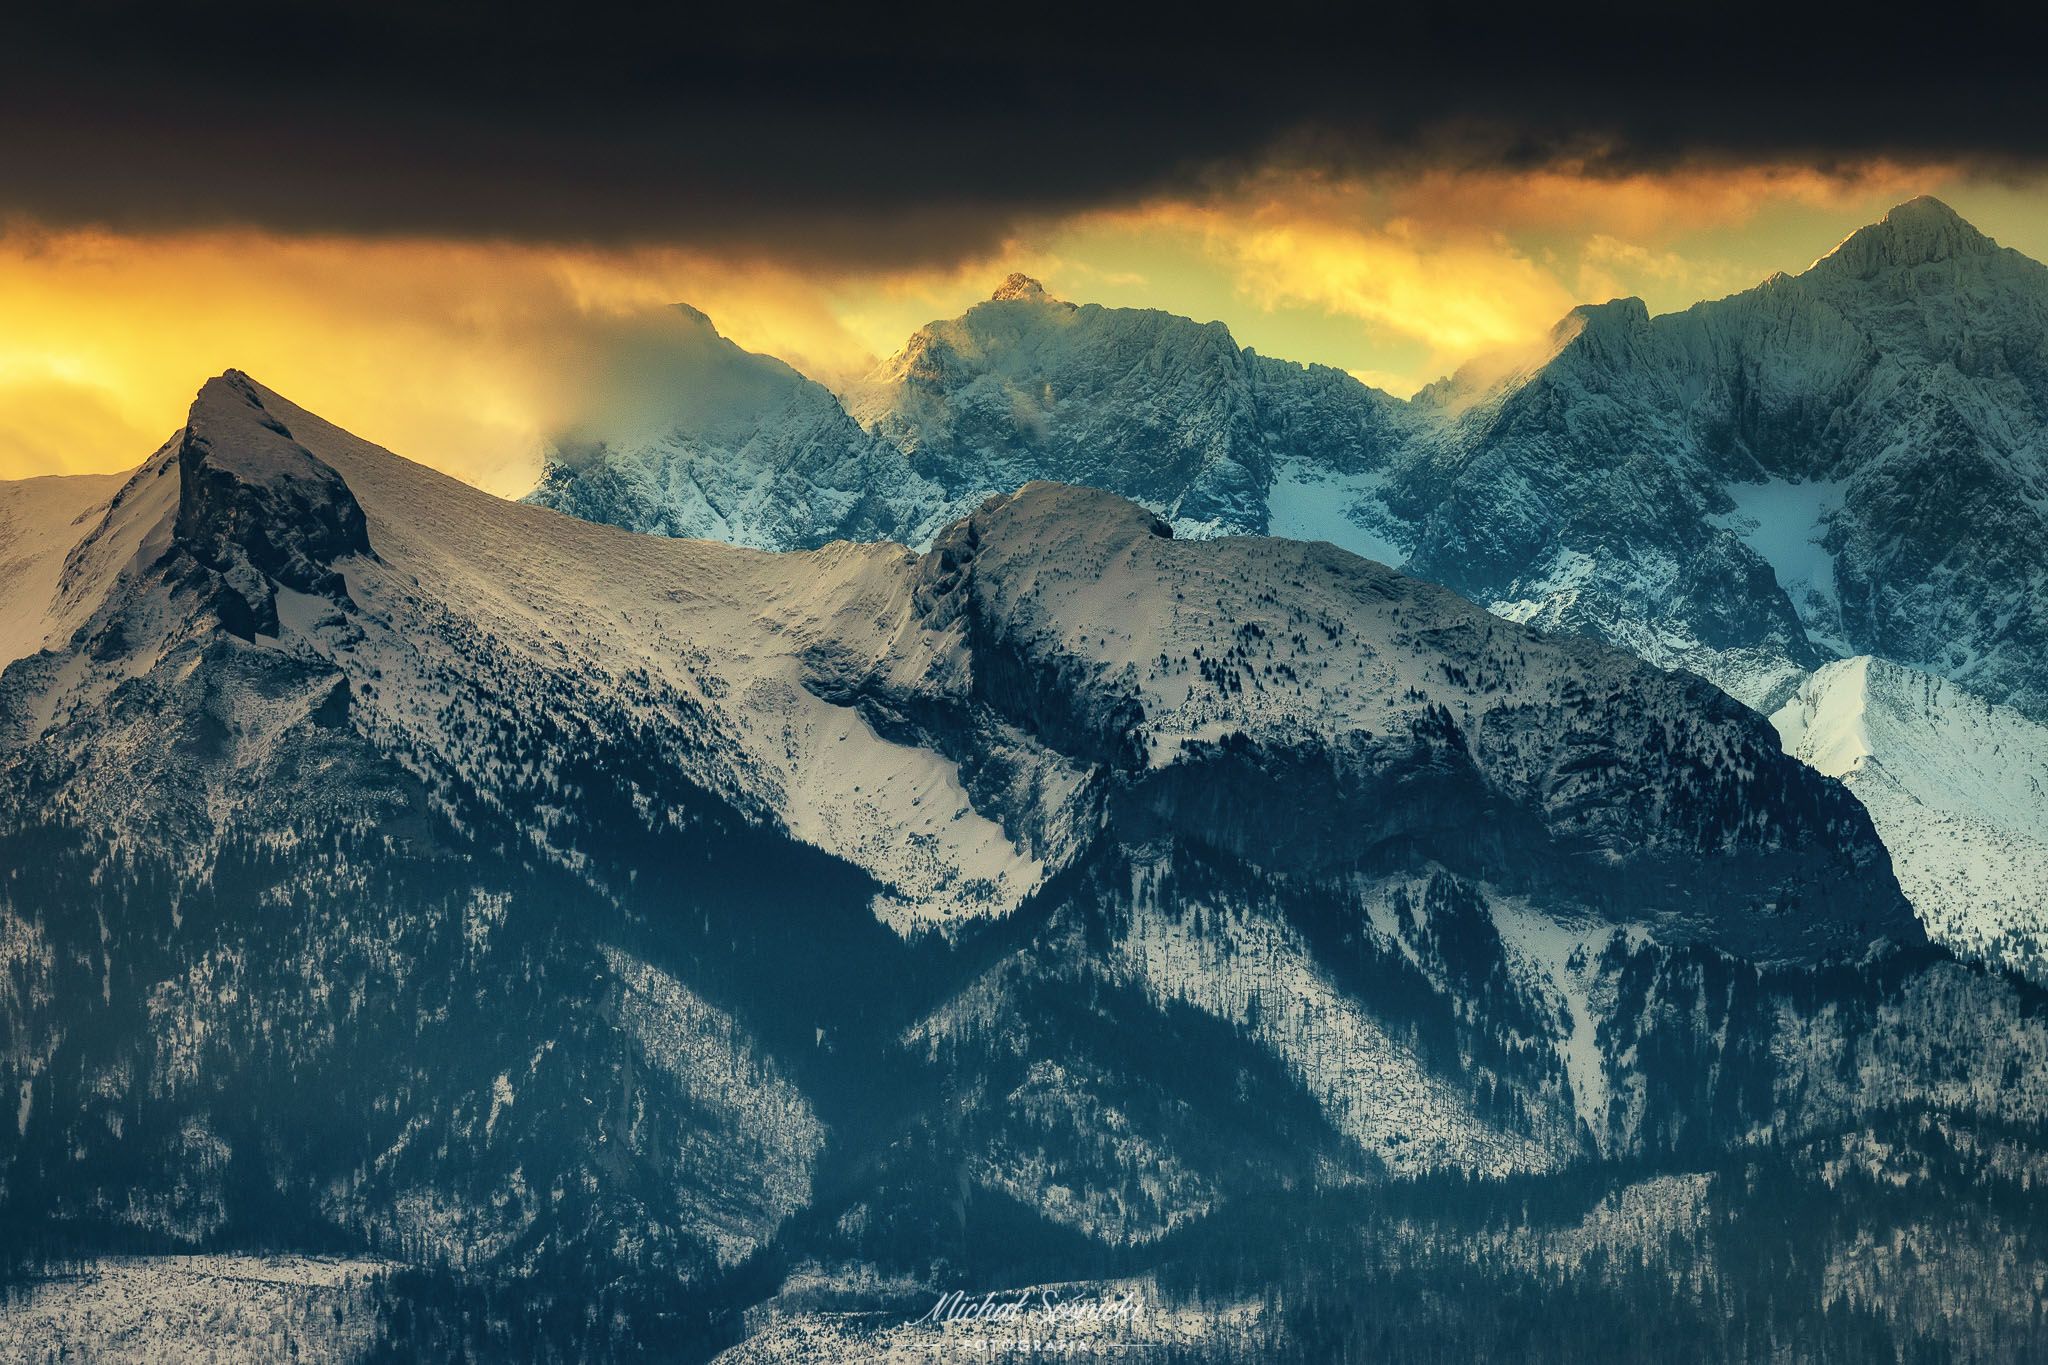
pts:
[1347, 510]
[703, 641]
[41, 520]
[218, 1308]
[1786, 524]
[1957, 788]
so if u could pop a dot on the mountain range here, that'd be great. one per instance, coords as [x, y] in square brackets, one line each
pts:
[1842, 464]
[1847, 461]
[611, 945]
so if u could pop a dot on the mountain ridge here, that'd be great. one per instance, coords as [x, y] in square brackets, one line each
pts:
[1832, 464]
[520, 880]
[1899, 387]
[1918, 232]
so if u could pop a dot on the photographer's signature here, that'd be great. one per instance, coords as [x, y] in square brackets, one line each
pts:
[1041, 1307]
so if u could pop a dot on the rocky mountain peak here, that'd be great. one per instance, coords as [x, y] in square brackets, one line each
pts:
[1019, 286]
[256, 506]
[1918, 232]
[1613, 316]
[1606, 332]
[695, 315]
[1624, 312]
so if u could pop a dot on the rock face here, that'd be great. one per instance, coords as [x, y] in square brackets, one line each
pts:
[1169, 412]
[257, 509]
[1838, 462]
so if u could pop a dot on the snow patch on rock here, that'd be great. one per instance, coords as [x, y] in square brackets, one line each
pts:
[225, 1308]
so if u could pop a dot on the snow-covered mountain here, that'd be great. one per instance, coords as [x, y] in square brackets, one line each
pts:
[729, 445]
[1845, 461]
[1167, 411]
[1958, 789]
[778, 657]
[1160, 409]
[643, 929]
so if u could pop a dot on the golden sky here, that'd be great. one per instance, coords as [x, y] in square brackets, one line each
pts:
[465, 354]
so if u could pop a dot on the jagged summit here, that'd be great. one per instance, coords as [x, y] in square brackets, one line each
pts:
[231, 398]
[719, 442]
[1019, 286]
[1595, 323]
[1612, 334]
[231, 430]
[255, 505]
[1626, 312]
[1918, 232]
[1157, 407]
[695, 315]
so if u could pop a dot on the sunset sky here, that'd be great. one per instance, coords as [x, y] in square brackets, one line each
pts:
[454, 259]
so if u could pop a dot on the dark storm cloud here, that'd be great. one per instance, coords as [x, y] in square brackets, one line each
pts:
[888, 134]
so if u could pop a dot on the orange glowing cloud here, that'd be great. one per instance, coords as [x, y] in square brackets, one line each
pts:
[464, 355]
[468, 354]
[1442, 266]
[1457, 294]
[1646, 206]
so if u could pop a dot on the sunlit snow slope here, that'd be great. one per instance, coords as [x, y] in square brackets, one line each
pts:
[41, 520]
[1957, 787]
